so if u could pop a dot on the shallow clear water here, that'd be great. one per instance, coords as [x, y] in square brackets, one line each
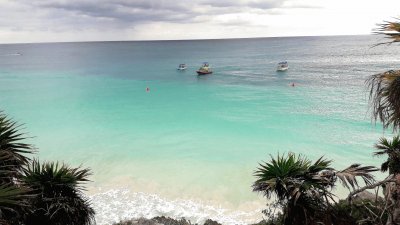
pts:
[188, 147]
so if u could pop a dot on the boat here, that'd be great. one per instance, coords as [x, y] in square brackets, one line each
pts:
[282, 66]
[182, 67]
[204, 69]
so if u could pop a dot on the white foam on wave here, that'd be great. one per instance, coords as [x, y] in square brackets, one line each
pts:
[122, 204]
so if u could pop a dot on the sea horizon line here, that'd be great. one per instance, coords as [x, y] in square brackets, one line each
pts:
[194, 39]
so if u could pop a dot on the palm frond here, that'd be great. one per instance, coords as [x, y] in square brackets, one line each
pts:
[11, 195]
[13, 150]
[60, 189]
[320, 165]
[385, 166]
[388, 147]
[294, 178]
[391, 29]
[384, 97]
[348, 176]
[55, 175]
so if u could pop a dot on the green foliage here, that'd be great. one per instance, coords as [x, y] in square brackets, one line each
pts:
[302, 187]
[14, 198]
[280, 176]
[392, 150]
[14, 203]
[11, 196]
[291, 177]
[13, 150]
[55, 177]
[362, 212]
[59, 198]
[385, 98]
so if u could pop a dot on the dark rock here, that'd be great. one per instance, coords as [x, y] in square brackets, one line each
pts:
[140, 221]
[162, 220]
[211, 222]
[168, 221]
[366, 195]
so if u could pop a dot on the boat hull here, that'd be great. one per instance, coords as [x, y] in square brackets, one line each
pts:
[282, 69]
[203, 72]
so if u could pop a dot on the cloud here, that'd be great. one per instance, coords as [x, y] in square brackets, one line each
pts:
[131, 19]
[80, 14]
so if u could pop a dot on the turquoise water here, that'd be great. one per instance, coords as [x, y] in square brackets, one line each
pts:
[191, 143]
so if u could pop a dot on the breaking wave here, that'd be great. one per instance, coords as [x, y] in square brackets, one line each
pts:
[122, 204]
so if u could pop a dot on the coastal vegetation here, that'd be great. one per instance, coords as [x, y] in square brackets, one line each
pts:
[303, 190]
[32, 192]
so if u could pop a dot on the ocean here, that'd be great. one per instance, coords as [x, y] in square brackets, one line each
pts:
[188, 146]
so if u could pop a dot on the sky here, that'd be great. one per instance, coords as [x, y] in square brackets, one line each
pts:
[23, 21]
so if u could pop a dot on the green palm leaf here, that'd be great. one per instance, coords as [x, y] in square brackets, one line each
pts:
[13, 150]
[60, 199]
[13, 196]
[384, 98]
[390, 148]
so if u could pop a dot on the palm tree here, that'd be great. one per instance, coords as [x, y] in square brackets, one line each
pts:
[59, 200]
[14, 198]
[392, 150]
[385, 103]
[385, 87]
[304, 188]
[13, 150]
[385, 98]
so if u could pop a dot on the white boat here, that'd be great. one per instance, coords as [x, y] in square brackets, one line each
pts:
[182, 67]
[282, 66]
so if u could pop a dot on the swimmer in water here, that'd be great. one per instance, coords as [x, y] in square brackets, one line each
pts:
[147, 89]
[292, 85]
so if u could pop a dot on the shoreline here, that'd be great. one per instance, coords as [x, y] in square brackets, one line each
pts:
[115, 205]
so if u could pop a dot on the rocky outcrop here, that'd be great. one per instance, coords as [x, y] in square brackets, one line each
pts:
[163, 221]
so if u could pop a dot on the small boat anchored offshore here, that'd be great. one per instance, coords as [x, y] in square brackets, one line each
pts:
[282, 66]
[182, 66]
[204, 69]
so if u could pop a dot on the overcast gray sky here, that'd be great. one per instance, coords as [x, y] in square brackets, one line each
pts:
[101, 20]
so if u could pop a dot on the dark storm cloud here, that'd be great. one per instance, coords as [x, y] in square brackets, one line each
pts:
[119, 11]
[111, 14]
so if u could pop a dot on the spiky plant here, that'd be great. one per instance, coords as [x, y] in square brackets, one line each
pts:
[59, 200]
[13, 149]
[385, 98]
[303, 187]
[390, 148]
[14, 198]
[385, 102]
